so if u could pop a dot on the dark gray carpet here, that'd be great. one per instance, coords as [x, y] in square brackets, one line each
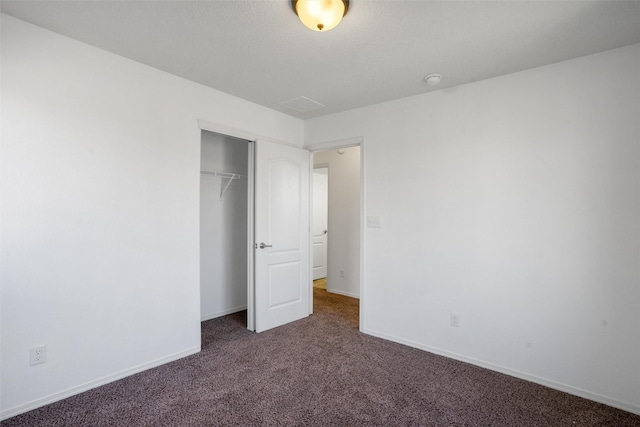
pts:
[319, 371]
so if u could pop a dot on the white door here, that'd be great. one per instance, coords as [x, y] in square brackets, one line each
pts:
[282, 256]
[320, 212]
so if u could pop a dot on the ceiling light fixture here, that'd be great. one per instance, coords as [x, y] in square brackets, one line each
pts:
[433, 79]
[320, 15]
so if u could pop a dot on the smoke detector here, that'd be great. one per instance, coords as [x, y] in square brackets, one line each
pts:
[433, 79]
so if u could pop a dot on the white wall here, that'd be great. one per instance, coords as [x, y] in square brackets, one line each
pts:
[514, 202]
[344, 219]
[223, 227]
[100, 212]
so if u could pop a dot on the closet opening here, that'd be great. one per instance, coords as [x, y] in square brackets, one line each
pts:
[224, 225]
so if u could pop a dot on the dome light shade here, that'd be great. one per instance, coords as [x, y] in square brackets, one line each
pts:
[320, 15]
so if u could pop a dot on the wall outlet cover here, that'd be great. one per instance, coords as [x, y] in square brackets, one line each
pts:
[37, 355]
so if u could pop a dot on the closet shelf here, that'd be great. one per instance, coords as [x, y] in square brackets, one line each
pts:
[224, 175]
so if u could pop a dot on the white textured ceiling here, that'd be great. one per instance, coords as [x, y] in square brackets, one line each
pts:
[259, 51]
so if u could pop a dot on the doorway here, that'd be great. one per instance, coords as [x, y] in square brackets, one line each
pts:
[343, 213]
[224, 171]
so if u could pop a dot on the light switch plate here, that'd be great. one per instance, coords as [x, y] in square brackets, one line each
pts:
[374, 221]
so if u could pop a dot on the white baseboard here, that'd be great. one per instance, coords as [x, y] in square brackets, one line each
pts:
[222, 313]
[629, 407]
[346, 294]
[20, 409]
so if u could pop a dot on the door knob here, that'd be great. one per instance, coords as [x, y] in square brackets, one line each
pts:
[325, 231]
[263, 245]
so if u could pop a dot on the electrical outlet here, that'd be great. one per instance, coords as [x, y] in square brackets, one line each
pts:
[454, 319]
[38, 355]
[341, 272]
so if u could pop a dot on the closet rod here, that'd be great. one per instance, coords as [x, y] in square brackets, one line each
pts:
[229, 175]
[224, 175]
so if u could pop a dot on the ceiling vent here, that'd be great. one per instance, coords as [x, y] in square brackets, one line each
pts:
[302, 104]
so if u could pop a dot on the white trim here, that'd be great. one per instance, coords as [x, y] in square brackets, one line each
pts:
[363, 234]
[346, 294]
[251, 302]
[239, 133]
[311, 199]
[629, 407]
[338, 143]
[20, 409]
[222, 313]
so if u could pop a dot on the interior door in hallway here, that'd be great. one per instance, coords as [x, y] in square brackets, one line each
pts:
[282, 211]
[320, 217]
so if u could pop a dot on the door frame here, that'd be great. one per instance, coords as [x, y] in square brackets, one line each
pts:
[252, 138]
[332, 145]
